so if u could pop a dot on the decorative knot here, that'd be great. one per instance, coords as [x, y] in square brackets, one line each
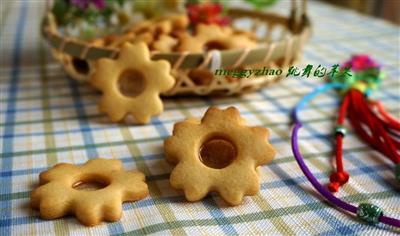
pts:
[337, 179]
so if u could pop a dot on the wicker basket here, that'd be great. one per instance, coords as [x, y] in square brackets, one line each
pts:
[78, 58]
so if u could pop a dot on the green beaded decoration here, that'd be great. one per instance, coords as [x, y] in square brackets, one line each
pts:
[369, 213]
[340, 129]
[361, 80]
[397, 172]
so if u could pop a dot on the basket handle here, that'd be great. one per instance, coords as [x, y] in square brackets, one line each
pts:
[297, 21]
[49, 5]
[303, 6]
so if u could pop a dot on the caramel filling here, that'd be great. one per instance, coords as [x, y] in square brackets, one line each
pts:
[217, 153]
[131, 83]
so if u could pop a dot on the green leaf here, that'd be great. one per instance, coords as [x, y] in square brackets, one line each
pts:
[60, 9]
[259, 4]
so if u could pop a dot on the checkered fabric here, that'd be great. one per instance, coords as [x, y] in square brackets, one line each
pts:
[47, 118]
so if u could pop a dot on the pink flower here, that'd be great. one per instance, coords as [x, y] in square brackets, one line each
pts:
[84, 4]
[360, 62]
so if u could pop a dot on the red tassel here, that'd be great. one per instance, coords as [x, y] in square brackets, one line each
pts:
[373, 128]
[389, 121]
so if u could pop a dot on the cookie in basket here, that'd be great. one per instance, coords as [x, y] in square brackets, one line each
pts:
[152, 26]
[145, 37]
[165, 43]
[76, 68]
[160, 36]
[119, 40]
[163, 25]
[218, 153]
[213, 36]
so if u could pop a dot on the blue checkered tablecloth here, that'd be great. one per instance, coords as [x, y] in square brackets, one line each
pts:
[46, 118]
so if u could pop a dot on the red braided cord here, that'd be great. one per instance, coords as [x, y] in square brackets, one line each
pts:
[339, 177]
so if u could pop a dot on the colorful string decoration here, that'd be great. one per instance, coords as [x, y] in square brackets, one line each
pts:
[370, 121]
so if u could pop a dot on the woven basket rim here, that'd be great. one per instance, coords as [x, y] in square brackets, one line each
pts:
[80, 49]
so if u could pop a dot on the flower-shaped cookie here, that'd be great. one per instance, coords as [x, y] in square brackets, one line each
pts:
[165, 43]
[76, 68]
[162, 25]
[213, 36]
[132, 84]
[217, 153]
[118, 41]
[61, 191]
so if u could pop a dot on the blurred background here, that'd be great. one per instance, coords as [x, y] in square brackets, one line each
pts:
[385, 9]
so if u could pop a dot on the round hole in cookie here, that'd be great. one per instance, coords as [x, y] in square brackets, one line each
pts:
[81, 66]
[215, 44]
[217, 152]
[131, 83]
[91, 183]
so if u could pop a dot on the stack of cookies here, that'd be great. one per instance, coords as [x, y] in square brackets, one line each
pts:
[173, 34]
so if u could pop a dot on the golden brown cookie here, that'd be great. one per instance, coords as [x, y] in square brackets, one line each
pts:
[157, 33]
[217, 153]
[92, 192]
[109, 39]
[155, 27]
[179, 22]
[142, 26]
[165, 43]
[57, 55]
[162, 25]
[251, 35]
[121, 39]
[201, 76]
[132, 83]
[205, 34]
[97, 42]
[77, 68]
[240, 41]
[208, 37]
[146, 37]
